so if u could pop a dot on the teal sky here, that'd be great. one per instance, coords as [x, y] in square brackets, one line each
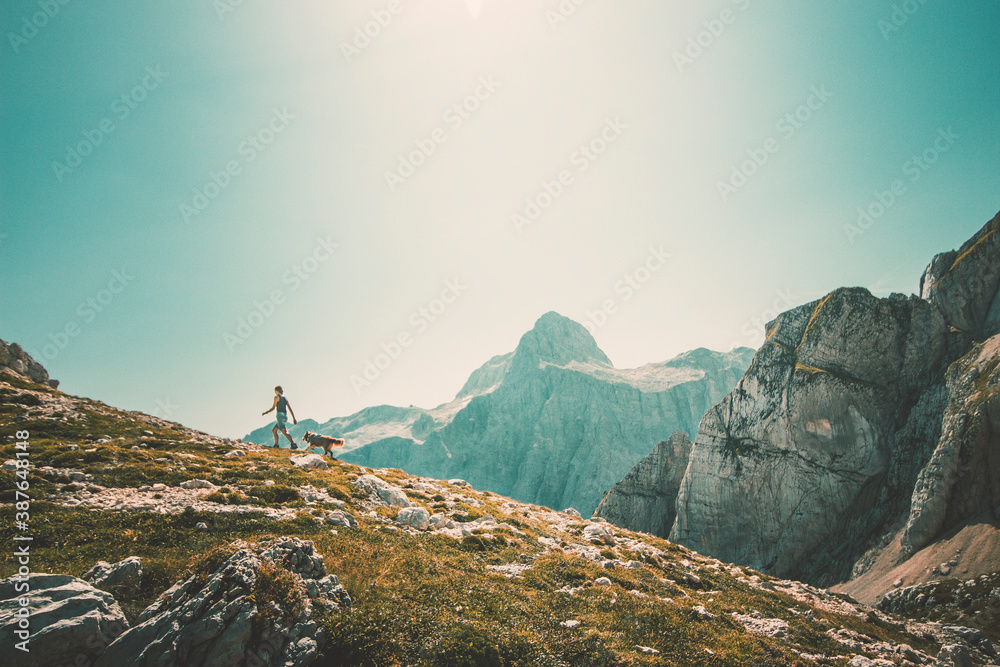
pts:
[162, 98]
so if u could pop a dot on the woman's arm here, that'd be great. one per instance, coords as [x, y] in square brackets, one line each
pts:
[292, 413]
[272, 406]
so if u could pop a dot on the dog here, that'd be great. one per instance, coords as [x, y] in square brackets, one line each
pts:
[323, 441]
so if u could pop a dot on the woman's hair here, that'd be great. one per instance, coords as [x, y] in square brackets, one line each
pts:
[279, 389]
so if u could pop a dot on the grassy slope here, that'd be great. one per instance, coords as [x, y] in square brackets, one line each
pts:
[420, 599]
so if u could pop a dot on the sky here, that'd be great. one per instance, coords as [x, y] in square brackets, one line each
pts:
[365, 200]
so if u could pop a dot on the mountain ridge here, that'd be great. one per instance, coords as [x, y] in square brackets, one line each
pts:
[531, 423]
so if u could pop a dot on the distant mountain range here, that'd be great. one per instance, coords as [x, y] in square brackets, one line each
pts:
[552, 423]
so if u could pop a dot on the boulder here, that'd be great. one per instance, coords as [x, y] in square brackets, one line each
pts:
[415, 517]
[599, 534]
[71, 621]
[253, 609]
[309, 462]
[125, 575]
[382, 492]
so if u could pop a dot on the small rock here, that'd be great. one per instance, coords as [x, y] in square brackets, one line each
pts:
[338, 518]
[897, 583]
[125, 574]
[570, 624]
[73, 448]
[197, 484]
[148, 434]
[458, 482]
[702, 613]
[268, 482]
[235, 453]
[572, 512]
[647, 650]
[159, 487]
[202, 526]
[602, 581]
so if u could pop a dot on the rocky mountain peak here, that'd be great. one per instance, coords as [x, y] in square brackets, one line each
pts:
[559, 340]
[15, 359]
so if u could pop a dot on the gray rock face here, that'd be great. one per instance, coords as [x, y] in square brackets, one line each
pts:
[126, 575]
[962, 478]
[217, 623]
[69, 618]
[15, 359]
[645, 499]
[552, 423]
[847, 415]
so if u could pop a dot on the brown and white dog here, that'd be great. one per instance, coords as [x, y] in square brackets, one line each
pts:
[324, 441]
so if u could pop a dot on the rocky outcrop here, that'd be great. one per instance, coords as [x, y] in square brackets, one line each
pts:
[15, 359]
[962, 478]
[645, 500]
[552, 423]
[974, 602]
[71, 622]
[846, 415]
[254, 608]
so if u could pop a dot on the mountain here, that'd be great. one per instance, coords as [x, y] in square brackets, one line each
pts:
[149, 543]
[865, 432]
[552, 423]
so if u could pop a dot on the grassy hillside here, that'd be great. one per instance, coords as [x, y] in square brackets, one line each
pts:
[529, 587]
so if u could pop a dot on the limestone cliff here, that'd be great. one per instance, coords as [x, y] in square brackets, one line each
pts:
[857, 417]
[645, 499]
